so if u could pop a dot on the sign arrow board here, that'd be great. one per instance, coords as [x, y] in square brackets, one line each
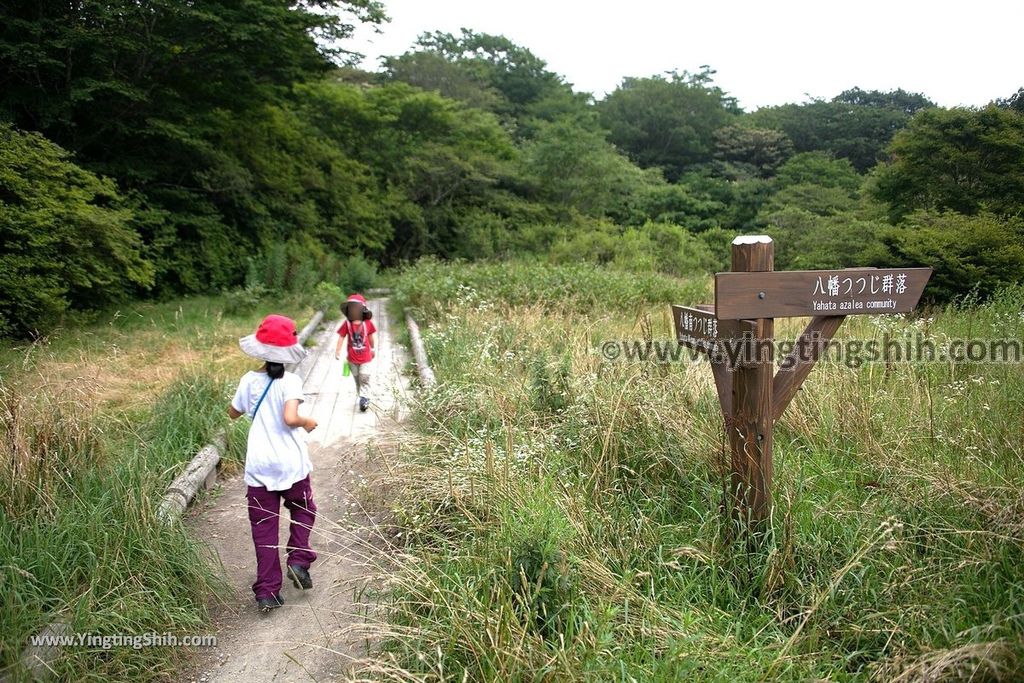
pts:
[701, 329]
[797, 293]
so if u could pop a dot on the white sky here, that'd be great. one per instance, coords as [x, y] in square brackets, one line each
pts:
[765, 52]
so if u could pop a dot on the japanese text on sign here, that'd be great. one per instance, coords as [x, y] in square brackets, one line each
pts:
[836, 285]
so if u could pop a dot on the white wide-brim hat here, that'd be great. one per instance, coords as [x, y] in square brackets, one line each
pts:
[270, 353]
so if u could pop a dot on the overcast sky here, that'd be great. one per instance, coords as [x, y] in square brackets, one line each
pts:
[765, 52]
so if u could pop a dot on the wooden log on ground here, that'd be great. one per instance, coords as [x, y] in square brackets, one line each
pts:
[200, 472]
[310, 326]
[419, 352]
[44, 647]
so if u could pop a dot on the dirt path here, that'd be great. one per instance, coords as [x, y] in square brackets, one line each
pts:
[305, 640]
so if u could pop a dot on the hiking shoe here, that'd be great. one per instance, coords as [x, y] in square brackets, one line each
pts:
[364, 403]
[267, 604]
[300, 577]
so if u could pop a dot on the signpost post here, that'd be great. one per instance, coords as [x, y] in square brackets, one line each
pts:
[751, 393]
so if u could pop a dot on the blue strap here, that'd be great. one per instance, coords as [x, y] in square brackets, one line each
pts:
[261, 399]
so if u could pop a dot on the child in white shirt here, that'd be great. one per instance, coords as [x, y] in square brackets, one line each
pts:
[277, 464]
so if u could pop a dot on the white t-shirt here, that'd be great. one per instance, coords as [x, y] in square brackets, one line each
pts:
[276, 456]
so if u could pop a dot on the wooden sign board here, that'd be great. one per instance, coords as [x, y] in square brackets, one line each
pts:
[797, 293]
[751, 394]
[699, 328]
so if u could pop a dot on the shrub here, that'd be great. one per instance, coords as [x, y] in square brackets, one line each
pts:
[658, 247]
[550, 385]
[819, 168]
[242, 300]
[542, 583]
[979, 253]
[301, 263]
[804, 240]
[327, 297]
[357, 274]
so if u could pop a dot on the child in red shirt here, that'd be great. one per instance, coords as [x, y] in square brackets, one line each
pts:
[359, 330]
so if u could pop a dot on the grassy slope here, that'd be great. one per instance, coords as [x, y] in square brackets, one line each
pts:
[94, 422]
[561, 511]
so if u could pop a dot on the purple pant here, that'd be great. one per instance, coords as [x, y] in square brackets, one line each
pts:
[264, 510]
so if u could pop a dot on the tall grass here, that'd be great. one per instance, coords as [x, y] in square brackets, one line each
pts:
[561, 520]
[79, 535]
[430, 286]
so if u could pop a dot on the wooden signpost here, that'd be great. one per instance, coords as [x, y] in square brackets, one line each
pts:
[751, 393]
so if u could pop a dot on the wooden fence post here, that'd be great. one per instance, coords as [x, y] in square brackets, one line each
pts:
[750, 434]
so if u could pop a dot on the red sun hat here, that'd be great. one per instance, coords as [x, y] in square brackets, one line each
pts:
[275, 341]
[357, 299]
[277, 330]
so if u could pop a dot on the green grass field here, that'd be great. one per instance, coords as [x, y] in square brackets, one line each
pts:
[560, 512]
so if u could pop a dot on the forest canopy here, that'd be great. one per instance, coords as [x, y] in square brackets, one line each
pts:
[160, 149]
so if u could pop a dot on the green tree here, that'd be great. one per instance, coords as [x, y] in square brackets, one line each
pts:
[899, 100]
[762, 150]
[1014, 101]
[964, 160]
[813, 198]
[474, 67]
[807, 241]
[855, 125]
[574, 168]
[65, 236]
[276, 173]
[680, 204]
[815, 183]
[136, 90]
[95, 76]
[436, 72]
[438, 164]
[667, 121]
[819, 168]
[969, 253]
[738, 196]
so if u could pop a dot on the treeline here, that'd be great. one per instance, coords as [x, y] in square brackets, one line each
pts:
[163, 148]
